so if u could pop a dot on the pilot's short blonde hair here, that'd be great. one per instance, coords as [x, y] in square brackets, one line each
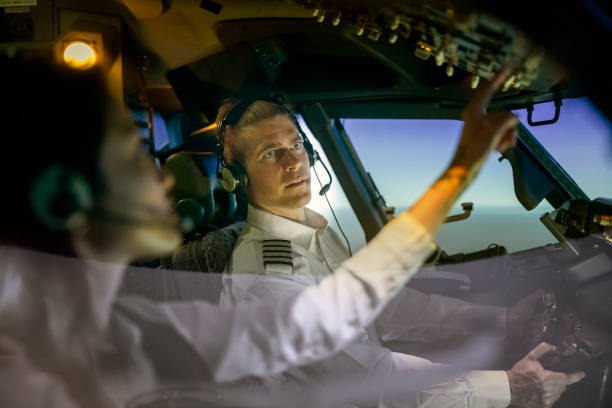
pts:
[256, 112]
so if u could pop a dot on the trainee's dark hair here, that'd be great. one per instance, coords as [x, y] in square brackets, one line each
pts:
[49, 114]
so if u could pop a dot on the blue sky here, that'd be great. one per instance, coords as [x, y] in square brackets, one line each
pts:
[405, 156]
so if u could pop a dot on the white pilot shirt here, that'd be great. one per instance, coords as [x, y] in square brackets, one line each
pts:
[276, 258]
[63, 311]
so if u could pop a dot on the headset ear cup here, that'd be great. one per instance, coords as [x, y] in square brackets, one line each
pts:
[191, 214]
[233, 178]
[60, 198]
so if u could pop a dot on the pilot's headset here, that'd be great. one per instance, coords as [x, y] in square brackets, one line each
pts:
[232, 176]
[60, 198]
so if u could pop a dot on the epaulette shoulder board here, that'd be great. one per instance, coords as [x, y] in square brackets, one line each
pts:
[277, 251]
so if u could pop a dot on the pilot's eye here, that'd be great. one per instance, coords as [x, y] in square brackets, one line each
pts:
[269, 154]
[297, 145]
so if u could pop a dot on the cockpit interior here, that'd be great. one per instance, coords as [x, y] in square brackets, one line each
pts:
[341, 65]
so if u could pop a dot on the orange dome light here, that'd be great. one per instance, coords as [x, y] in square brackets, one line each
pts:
[80, 55]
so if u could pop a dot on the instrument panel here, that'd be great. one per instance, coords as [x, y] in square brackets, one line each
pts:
[456, 39]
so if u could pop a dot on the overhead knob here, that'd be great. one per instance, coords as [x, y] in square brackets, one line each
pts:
[450, 70]
[395, 23]
[475, 81]
[336, 19]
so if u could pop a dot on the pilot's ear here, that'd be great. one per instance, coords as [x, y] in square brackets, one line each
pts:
[60, 198]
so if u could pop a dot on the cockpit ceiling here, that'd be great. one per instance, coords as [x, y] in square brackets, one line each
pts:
[185, 31]
[418, 55]
[308, 60]
[420, 52]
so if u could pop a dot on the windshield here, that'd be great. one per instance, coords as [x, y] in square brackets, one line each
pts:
[579, 141]
[405, 156]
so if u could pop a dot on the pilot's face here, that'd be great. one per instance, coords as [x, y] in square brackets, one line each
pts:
[136, 216]
[277, 165]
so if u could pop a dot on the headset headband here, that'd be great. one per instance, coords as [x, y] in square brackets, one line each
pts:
[236, 113]
[231, 118]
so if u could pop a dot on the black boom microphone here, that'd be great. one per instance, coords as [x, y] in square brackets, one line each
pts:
[326, 187]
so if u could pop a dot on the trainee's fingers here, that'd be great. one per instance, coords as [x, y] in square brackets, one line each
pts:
[557, 379]
[482, 97]
[499, 124]
[500, 121]
[540, 350]
[573, 378]
[507, 141]
[554, 392]
[549, 401]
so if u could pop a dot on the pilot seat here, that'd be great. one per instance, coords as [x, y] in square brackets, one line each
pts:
[211, 220]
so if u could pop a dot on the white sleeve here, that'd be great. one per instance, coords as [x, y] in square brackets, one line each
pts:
[413, 316]
[478, 389]
[268, 337]
[24, 385]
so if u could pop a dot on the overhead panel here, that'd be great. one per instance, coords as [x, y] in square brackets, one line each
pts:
[26, 21]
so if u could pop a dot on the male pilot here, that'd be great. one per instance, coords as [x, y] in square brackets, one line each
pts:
[286, 247]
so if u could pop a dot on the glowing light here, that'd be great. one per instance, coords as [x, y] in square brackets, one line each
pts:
[80, 55]
[205, 129]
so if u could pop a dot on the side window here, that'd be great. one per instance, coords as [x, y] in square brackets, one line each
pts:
[160, 131]
[405, 156]
[337, 199]
[580, 141]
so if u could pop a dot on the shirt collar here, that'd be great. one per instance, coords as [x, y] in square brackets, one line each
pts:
[275, 226]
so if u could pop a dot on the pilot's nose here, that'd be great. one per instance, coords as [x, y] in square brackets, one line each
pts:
[293, 161]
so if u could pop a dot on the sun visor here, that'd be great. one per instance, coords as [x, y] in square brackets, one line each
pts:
[292, 64]
[146, 9]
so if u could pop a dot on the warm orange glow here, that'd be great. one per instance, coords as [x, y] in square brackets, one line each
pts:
[204, 129]
[79, 54]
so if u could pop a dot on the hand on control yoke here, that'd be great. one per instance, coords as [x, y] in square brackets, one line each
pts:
[531, 385]
[519, 316]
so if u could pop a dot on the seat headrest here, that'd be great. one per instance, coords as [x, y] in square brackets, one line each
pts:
[200, 202]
